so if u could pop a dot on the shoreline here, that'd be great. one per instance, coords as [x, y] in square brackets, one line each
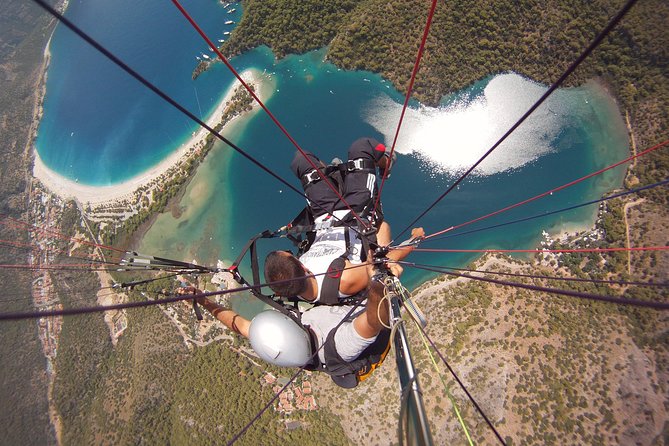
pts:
[111, 194]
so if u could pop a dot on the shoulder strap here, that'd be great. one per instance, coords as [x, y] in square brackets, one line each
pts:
[255, 271]
[329, 293]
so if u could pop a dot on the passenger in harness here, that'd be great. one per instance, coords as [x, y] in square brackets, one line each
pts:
[325, 273]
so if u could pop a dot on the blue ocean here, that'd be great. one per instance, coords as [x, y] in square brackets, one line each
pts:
[96, 115]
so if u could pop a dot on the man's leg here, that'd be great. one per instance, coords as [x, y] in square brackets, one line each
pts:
[360, 189]
[320, 195]
[367, 148]
[368, 324]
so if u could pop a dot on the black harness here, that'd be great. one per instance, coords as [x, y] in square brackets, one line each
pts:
[302, 229]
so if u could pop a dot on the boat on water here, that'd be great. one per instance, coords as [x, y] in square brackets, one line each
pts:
[230, 11]
[227, 33]
[198, 57]
[221, 40]
[206, 57]
[229, 22]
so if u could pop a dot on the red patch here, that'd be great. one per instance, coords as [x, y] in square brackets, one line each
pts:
[380, 148]
[334, 273]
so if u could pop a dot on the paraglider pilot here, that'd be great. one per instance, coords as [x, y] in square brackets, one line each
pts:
[335, 270]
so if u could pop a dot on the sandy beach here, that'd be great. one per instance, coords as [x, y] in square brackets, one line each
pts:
[97, 195]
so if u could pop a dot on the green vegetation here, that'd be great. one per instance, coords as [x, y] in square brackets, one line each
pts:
[126, 390]
[220, 392]
[469, 41]
[547, 369]
[24, 30]
[84, 345]
[151, 389]
[289, 27]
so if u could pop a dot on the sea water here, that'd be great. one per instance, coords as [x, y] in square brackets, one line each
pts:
[577, 131]
[95, 114]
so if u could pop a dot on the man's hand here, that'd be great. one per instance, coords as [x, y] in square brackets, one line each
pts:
[395, 268]
[191, 290]
[405, 248]
[417, 233]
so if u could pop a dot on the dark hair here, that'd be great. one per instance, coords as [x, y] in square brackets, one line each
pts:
[282, 267]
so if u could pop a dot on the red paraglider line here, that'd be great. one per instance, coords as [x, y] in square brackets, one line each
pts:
[550, 192]
[264, 107]
[421, 49]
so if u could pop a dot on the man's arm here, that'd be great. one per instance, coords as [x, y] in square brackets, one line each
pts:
[355, 279]
[400, 253]
[375, 317]
[229, 318]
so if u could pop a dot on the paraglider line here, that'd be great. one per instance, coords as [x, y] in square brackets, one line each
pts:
[545, 214]
[18, 224]
[165, 97]
[421, 49]
[577, 294]
[220, 55]
[550, 192]
[462, 386]
[541, 250]
[100, 309]
[565, 279]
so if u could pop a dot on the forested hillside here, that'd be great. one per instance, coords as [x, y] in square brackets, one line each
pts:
[524, 354]
[151, 389]
[24, 31]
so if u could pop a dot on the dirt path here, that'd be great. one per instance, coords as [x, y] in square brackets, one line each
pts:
[627, 231]
[632, 141]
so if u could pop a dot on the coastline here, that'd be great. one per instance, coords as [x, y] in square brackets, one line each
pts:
[112, 194]
[498, 377]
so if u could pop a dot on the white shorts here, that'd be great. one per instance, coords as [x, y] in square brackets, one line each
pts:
[322, 319]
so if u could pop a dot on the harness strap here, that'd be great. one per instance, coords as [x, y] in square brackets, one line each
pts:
[355, 165]
[359, 164]
[330, 286]
[255, 266]
[255, 270]
[247, 247]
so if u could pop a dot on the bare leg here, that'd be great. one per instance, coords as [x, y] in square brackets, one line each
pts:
[368, 324]
[383, 236]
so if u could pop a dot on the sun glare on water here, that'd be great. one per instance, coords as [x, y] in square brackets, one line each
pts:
[452, 138]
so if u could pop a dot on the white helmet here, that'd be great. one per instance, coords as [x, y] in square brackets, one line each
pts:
[279, 340]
